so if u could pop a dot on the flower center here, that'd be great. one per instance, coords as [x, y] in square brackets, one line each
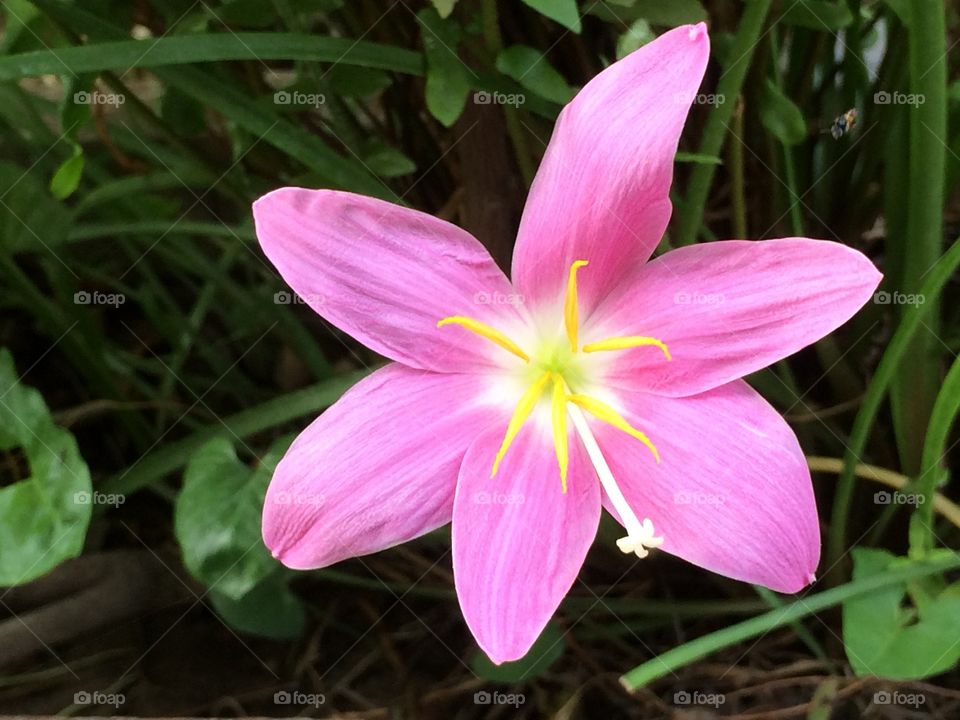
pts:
[556, 370]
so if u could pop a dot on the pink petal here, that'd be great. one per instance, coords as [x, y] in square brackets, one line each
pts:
[518, 541]
[726, 309]
[386, 274]
[732, 492]
[376, 469]
[601, 193]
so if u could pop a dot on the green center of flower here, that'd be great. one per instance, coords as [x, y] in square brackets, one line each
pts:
[556, 368]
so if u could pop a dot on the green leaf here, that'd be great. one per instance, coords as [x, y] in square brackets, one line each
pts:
[354, 81]
[698, 158]
[444, 7]
[887, 636]
[30, 219]
[548, 648]
[217, 518]
[818, 15]
[902, 10]
[781, 116]
[19, 14]
[448, 81]
[387, 161]
[204, 47]
[66, 179]
[637, 35]
[182, 113]
[656, 12]
[43, 515]
[564, 12]
[530, 68]
[269, 610]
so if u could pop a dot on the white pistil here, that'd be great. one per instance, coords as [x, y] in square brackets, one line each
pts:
[640, 535]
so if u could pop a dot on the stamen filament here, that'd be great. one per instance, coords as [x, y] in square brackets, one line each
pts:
[622, 343]
[559, 417]
[484, 330]
[524, 407]
[570, 318]
[639, 534]
[607, 414]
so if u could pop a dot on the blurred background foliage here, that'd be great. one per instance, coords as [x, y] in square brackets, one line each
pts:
[155, 365]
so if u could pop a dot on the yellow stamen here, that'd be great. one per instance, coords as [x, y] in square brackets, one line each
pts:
[622, 343]
[486, 331]
[559, 413]
[607, 414]
[524, 407]
[570, 305]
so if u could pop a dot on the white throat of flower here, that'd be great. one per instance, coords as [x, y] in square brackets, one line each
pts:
[556, 366]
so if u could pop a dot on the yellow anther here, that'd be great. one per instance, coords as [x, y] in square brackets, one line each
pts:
[524, 407]
[622, 343]
[607, 414]
[559, 415]
[570, 305]
[486, 331]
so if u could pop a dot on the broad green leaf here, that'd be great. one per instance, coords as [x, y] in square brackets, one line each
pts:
[30, 218]
[530, 68]
[781, 116]
[45, 512]
[448, 79]
[564, 12]
[887, 635]
[902, 9]
[217, 518]
[387, 161]
[636, 36]
[818, 15]
[67, 177]
[270, 610]
[548, 648]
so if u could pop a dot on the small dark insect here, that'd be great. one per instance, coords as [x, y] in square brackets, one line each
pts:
[844, 124]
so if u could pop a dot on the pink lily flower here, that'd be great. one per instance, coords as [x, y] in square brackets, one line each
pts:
[516, 410]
